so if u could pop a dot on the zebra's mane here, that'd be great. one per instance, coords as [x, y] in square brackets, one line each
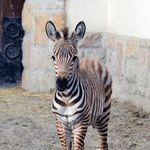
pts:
[65, 32]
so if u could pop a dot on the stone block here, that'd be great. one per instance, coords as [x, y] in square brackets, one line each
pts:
[149, 60]
[127, 88]
[131, 70]
[38, 5]
[49, 81]
[148, 87]
[55, 5]
[148, 43]
[141, 91]
[40, 37]
[97, 53]
[27, 17]
[41, 59]
[142, 43]
[112, 62]
[142, 68]
[143, 54]
[146, 104]
[24, 77]
[132, 46]
[110, 41]
[38, 80]
[120, 59]
[90, 40]
[26, 48]
[59, 19]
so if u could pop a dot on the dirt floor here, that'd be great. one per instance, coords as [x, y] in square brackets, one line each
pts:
[27, 123]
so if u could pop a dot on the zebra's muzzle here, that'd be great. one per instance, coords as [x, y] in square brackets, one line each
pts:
[61, 84]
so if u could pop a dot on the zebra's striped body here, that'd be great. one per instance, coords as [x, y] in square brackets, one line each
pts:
[82, 97]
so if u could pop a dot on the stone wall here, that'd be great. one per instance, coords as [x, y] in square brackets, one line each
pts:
[38, 74]
[91, 46]
[128, 59]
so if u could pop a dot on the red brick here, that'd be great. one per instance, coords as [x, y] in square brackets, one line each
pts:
[142, 57]
[119, 58]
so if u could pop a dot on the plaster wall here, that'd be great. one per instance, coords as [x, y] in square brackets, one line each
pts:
[129, 18]
[122, 17]
[92, 12]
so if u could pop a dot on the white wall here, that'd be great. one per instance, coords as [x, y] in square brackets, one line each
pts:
[92, 12]
[129, 18]
[122, 17]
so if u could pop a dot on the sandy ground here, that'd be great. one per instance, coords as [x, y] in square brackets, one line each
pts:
[27, 123]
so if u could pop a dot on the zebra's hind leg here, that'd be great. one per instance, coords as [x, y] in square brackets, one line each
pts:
[101, 126]
[64, 136]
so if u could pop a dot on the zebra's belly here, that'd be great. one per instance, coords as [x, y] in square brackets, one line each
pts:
[65, 119]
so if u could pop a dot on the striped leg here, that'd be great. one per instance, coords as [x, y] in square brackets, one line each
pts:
[64, 136]
[79, 136]
[101, 126]
[72, 138]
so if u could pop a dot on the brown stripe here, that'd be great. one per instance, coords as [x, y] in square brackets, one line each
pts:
[81, 105]
[108, 96]
[61, 103]
[108, 87]
[93, 65]
[105, 78]
[78, 98]
[99, 121]
[106, 108]
[54, 107]
[99, 68]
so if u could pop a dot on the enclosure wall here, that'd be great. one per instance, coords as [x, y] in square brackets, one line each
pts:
[117, 34]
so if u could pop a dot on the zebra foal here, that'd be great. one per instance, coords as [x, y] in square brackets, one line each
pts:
[83, 90]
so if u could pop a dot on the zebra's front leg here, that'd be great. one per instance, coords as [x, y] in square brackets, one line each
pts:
[64, 136]
[101, 126]
[79, 136]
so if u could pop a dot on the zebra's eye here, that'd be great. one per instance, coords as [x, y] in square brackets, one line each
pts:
[74, 58]
[53, 57]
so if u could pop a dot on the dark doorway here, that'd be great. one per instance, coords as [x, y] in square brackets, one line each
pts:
[11, 35]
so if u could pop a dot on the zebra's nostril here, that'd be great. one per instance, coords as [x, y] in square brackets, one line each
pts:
[61, 84]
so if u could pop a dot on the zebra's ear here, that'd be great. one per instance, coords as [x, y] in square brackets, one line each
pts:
[51, 31]
[80, 31]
